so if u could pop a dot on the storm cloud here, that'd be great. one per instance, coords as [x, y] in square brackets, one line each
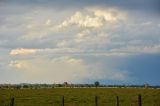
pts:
[82, 41]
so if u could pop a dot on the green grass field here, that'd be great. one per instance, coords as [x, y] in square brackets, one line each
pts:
[80, 96]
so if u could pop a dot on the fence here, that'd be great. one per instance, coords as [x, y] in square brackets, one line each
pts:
[117, 102]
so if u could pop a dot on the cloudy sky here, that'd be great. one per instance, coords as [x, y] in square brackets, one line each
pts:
[80, 41]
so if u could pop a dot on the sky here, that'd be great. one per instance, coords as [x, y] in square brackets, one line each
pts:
[80, 41]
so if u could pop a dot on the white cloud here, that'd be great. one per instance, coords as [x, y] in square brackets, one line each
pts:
[22, 51]
[80, 37]
[96, 19]
[137, 49]
[29, 26]
[48, 22]
[63, 43]
[15, 64]
[109, 14]
[131, 49]
[25, 51]
[92, 25]
[82, 21]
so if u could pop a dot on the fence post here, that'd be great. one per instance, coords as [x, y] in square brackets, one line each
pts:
[62, 100]
[117, 101]
[96, 100]
[12, 101]
[139, 100]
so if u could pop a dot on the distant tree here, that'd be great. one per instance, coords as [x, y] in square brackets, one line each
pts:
[96, 84]
[65, 84]
[17, 87]
[59, 85]
[146, 85]
[53, 85]
[25, 86]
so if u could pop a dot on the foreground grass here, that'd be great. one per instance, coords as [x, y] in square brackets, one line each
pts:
[80, 96]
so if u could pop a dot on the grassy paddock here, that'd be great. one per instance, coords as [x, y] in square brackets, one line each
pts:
[80, 96]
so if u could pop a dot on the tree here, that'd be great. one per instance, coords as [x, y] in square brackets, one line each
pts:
[96, 84]
[25, 86]
[65, 84]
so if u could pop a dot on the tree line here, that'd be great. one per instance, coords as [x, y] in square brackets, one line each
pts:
[69, 85]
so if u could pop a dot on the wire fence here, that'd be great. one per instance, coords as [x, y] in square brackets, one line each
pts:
[96, 101]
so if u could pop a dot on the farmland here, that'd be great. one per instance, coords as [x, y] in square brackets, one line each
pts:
[80, 96]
